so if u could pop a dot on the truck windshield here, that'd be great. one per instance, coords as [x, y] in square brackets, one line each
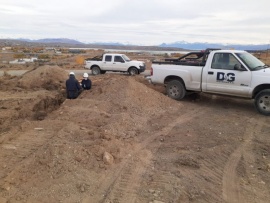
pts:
[251, 61]
[126, 58]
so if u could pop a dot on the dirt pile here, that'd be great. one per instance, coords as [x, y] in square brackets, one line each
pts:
[46, 77]
[107, 120]
[126, 103]
[30, 96]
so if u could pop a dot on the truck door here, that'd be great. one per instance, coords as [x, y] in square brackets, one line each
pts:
[119, 64]
[228, 75]
[107, 62]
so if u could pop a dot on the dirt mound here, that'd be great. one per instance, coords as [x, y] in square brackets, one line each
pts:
[122, 105]
[47, 77]
[130, 95]
[110, 118]
[31, 96]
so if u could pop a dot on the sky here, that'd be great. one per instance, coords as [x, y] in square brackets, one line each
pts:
[138, 22]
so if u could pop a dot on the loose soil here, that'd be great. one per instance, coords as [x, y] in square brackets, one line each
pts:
[126, 141]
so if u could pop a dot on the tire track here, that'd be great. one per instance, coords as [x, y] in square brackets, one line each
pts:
[231, 190]
[122, 186]
[28, 145]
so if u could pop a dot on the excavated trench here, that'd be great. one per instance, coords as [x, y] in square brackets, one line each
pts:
[47, 105]
[15, 109]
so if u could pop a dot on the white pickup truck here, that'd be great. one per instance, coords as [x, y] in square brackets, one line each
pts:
[115, 63]
[225, 72]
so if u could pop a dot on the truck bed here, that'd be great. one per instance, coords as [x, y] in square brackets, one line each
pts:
[196, 58]
[186, 63]
[96, 58]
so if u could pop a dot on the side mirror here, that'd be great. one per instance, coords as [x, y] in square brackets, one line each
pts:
[239, 67]
[122, 61]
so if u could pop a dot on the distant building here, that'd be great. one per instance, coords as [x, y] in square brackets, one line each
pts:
[18, 61]
[6, 48]
[50, 49]
[75, 51]
[24, 61]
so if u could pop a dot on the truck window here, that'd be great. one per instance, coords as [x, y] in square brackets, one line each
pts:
[225, 61]
[118, 59]
[126, 58]
[108, 58]
[251, 61]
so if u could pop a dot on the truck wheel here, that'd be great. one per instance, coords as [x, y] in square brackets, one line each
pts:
[133, 71]
[176, 90]
[262, 102]
[95, 70]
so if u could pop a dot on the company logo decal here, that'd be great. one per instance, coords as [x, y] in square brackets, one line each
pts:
[225, 77]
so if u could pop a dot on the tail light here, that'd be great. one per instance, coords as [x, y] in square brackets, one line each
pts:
[151, 71]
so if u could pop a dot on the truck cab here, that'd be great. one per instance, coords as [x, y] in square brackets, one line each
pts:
[235, 73]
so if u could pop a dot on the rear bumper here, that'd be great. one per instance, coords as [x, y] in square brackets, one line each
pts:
[149, 79]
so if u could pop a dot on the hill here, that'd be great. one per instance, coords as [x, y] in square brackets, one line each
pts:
[175, 46]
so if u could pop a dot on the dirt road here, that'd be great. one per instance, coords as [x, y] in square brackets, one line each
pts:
[126, 141]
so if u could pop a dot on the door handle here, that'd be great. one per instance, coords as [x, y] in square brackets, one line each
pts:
[210, 73]
[113, 63]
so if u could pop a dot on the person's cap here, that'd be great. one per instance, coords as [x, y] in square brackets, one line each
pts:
[85, 75]
[71, 73]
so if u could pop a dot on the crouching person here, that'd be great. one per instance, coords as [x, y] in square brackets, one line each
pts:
[86, 82]
[73, 86]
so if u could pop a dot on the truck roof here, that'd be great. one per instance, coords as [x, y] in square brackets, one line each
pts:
[113, 54]
[229, 51]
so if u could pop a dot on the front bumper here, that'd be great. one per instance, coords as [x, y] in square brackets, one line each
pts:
[142, 68]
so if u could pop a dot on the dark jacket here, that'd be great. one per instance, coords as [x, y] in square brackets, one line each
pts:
[86, 84]
[73, 87]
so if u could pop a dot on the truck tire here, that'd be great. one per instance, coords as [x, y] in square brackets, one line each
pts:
[133, 71]
[262, 102]
[176, 89]
[95, 70]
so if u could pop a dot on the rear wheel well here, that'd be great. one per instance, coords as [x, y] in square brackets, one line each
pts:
[259, 89]
[170, 78]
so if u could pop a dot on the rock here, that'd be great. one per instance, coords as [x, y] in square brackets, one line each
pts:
[39, 129]
[78, 158]
[108, 158]
[82, 188]
[268, 167]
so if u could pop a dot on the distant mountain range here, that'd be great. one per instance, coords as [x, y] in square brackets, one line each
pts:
[52, 40]
[198, 45]
[171, 46]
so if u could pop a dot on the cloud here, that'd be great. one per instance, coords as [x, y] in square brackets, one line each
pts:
[139, 22]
